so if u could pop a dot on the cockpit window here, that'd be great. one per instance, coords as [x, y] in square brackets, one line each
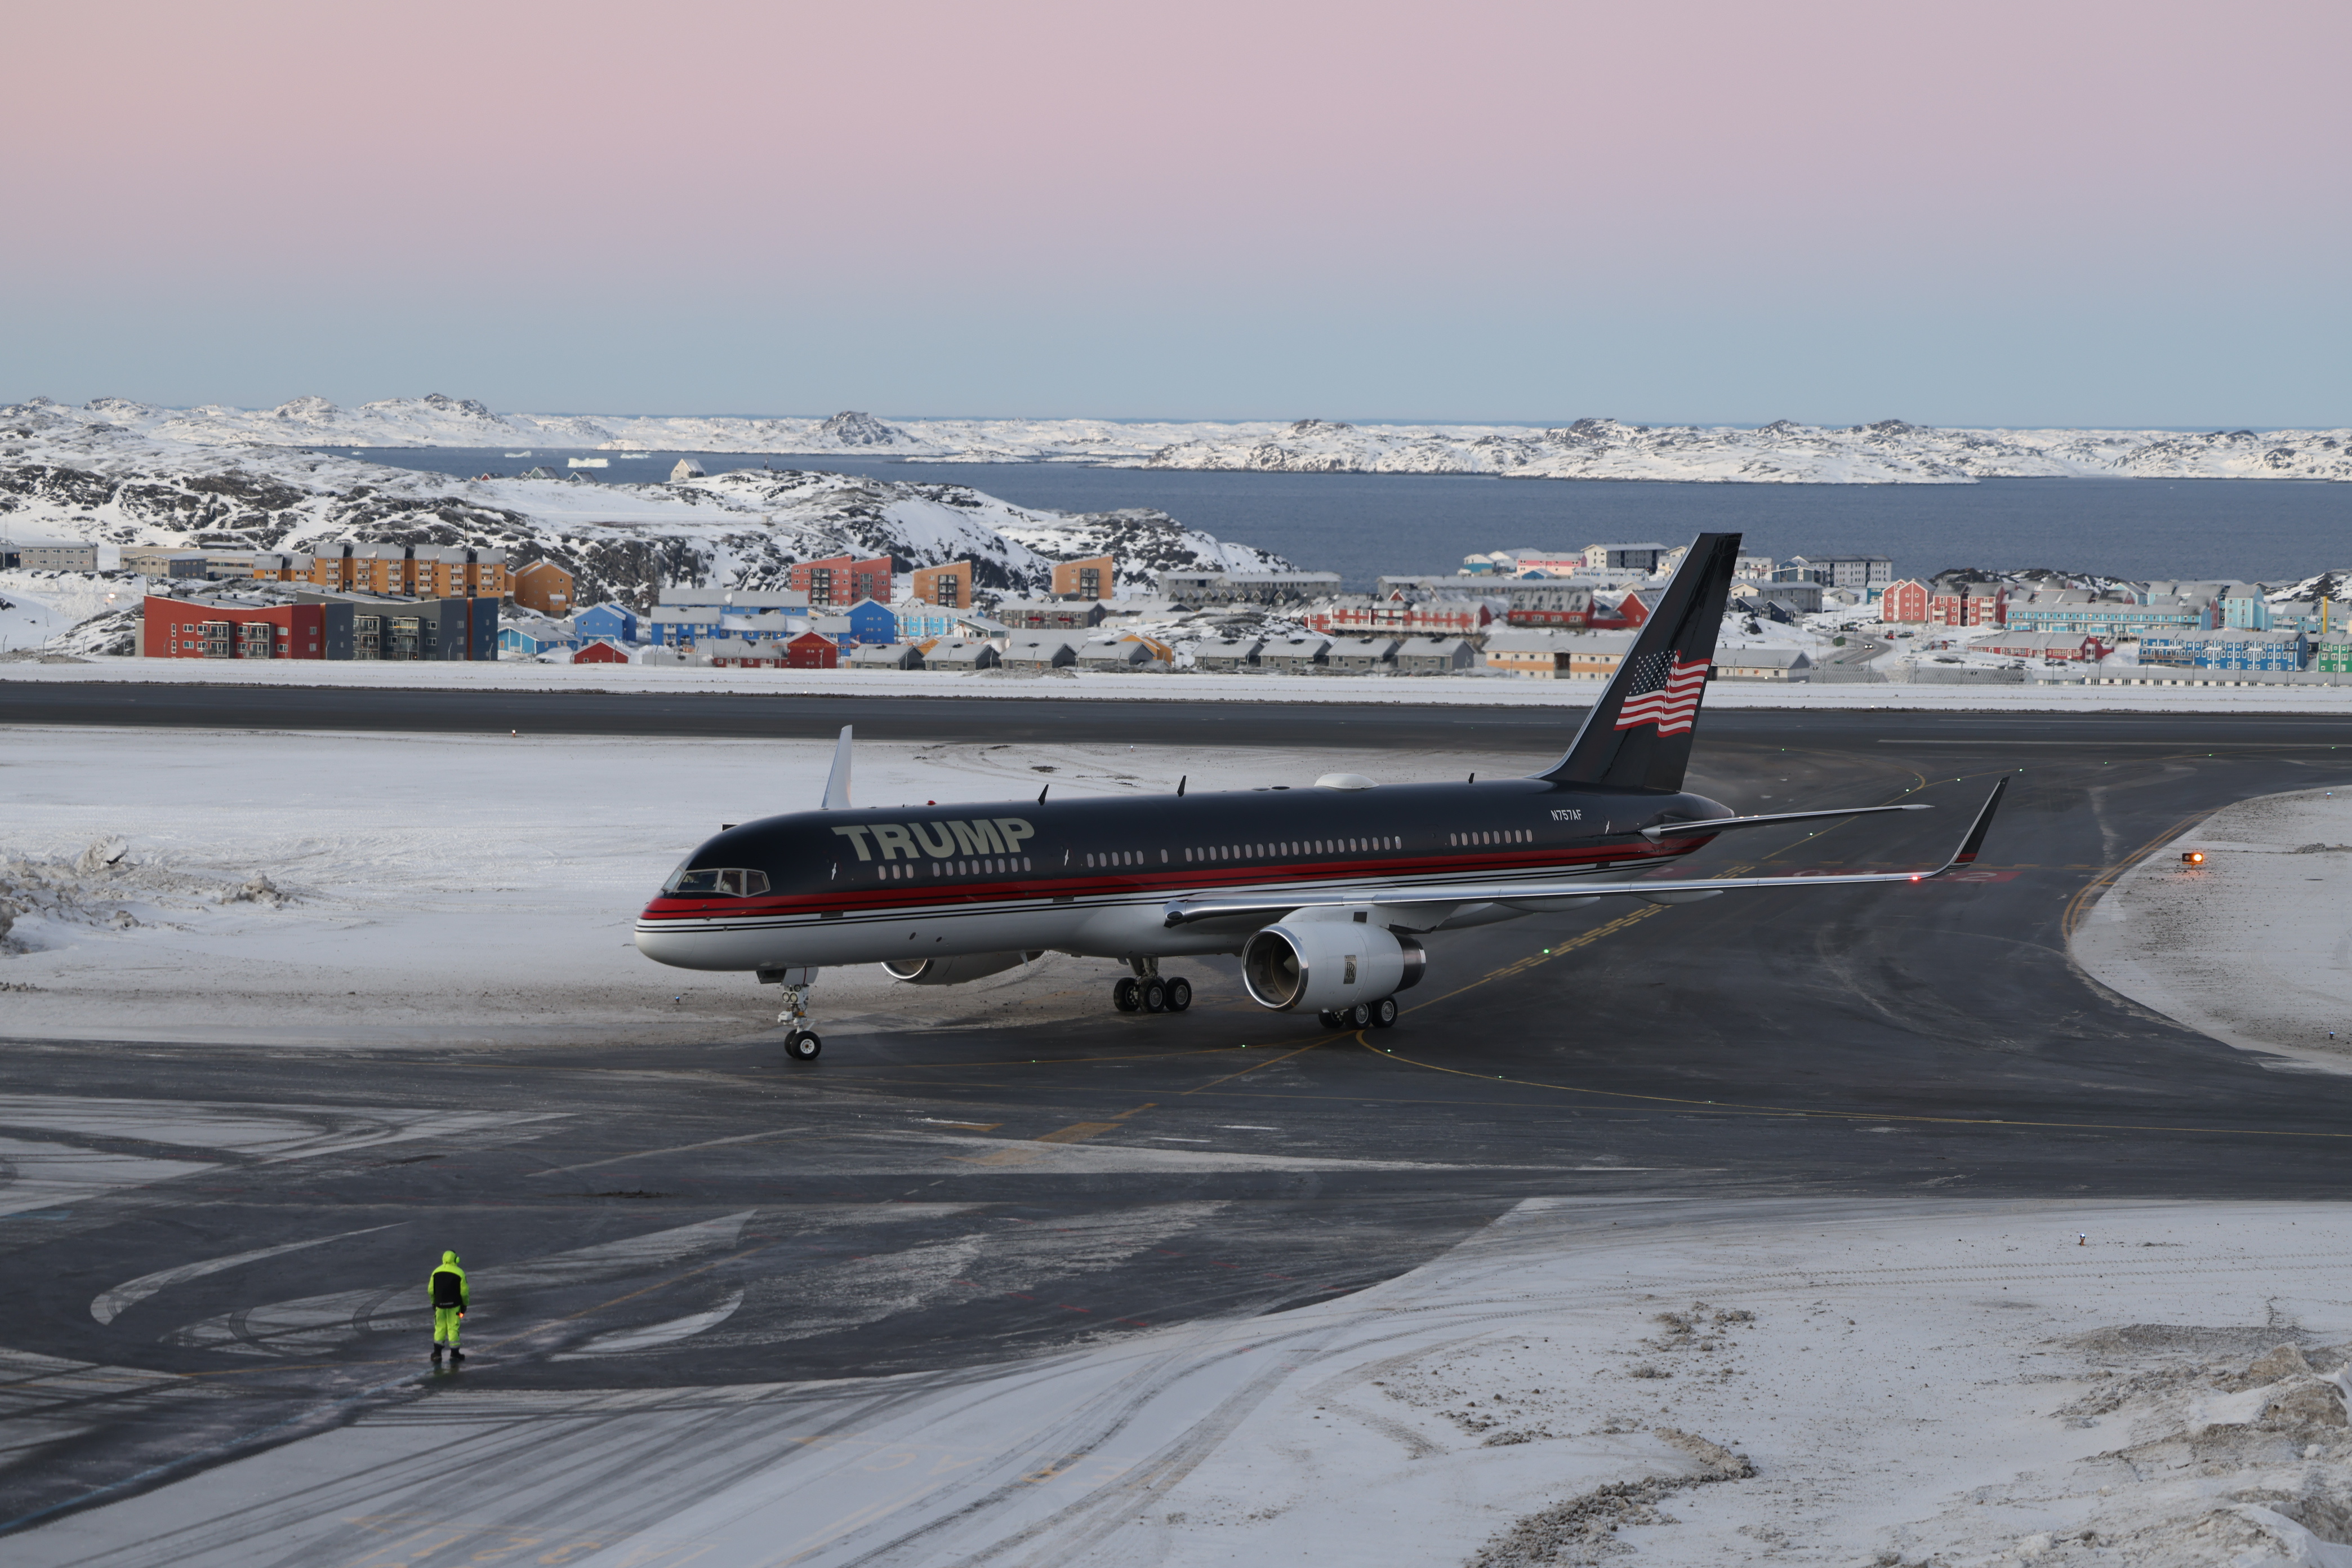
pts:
[724, 883]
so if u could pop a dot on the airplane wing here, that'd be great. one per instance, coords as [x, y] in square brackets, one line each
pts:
[1187, 912]
[1769, 819]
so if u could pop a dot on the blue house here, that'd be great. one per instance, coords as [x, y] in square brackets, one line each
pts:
[529, 638]
[615, 621]
[870, 622]
[671, 625]
[919, 622]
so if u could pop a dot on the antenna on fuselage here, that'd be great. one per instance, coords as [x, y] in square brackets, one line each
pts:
[836, 782]
[1040, 794]
[1179, 784]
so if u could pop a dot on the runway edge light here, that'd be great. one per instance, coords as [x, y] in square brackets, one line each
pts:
[2192, 856]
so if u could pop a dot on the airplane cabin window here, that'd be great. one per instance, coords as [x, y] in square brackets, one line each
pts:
[755, 883]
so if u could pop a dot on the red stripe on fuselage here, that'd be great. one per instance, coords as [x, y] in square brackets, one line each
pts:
[1193, 878]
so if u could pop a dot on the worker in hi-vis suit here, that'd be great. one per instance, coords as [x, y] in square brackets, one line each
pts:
[450, 1294]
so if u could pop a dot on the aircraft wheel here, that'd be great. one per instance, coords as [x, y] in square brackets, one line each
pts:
[1126, 996]
[802, 1046]
[1179, 994]
[1155, 997]
[1384, 1012]
[1359, 1016]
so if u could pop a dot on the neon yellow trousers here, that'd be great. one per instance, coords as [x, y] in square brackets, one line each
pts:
[444, 1325]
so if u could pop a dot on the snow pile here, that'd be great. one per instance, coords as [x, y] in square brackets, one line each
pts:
[70, 473]
[1890, 451]
[50, 901]
[2247, 947]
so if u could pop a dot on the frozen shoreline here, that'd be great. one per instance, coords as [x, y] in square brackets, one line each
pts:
[1913, 1381]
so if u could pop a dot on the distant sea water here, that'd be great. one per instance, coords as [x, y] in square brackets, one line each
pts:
[1361, 525]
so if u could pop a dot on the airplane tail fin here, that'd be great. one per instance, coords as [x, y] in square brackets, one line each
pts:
[1639, 734]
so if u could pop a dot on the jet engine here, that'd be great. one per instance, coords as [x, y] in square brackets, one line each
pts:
[957, 971]
[1324, 966]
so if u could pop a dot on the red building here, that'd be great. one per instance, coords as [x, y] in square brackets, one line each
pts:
[600, 652]
[842, 580]
[1629, 612]
[1969, 604]
[183, 628]
[811, 650]
[1401, 617]
[1904, 603]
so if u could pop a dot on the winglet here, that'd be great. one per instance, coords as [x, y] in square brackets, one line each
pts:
[836, 782]
[1975, 840]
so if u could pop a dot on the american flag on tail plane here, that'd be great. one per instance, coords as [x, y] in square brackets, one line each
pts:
[1664, 692]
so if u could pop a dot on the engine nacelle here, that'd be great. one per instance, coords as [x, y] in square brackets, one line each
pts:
[1322, 965]
[958, 971]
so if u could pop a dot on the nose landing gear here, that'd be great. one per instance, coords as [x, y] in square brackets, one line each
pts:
[800, 1042]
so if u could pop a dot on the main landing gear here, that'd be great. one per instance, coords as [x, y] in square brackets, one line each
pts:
[800, 1042]
[1380, 1015]
[1148, 991]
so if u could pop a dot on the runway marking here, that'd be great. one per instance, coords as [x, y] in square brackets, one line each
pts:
[679, 1148]
[960, 1126]
[1015, 1155]
[2078, 908]
[1077, 1131]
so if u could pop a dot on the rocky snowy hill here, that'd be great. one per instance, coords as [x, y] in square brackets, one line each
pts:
[68, 474]
[1888, 452]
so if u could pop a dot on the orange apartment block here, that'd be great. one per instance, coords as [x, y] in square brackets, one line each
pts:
[544, 587]
[842, 580]
[948, 587]
[1091, 578]
[416, 571]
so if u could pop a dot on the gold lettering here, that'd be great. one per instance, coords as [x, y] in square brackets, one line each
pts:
[893, 840]
[856, 836]
[978, 837]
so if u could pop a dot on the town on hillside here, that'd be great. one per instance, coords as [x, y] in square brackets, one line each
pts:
[1520, 613]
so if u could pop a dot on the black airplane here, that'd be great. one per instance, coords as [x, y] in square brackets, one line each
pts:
[1322, 892]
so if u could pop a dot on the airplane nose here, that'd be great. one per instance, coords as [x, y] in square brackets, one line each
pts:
[667, 944]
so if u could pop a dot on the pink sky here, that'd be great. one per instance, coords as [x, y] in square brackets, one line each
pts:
[1186, 159]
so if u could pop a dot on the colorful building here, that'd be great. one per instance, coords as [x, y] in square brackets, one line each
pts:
[1096, 577]
[544, 587]
[228, 628]
[1969, 604]
[2224, 649]
[842, 580]
[1904, 603]
[617, 622]
[949, 587]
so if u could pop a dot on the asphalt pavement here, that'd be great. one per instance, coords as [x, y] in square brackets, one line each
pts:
[937, 1201]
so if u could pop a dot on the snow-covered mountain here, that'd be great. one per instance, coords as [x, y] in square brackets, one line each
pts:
[66, 475]
[1888, 452]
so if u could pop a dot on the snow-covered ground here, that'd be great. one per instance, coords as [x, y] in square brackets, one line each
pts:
[1480, 690]
[1694, 1382]
[387, 888]
[2252, 947]
[1888, 452]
